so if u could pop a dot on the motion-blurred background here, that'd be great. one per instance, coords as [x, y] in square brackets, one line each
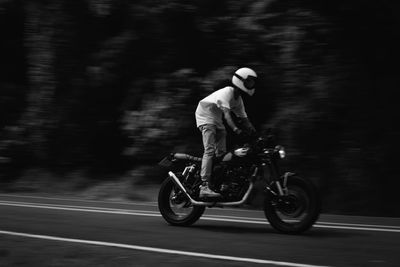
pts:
[100, 90]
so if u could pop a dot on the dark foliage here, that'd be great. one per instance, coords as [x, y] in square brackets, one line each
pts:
[108, 85]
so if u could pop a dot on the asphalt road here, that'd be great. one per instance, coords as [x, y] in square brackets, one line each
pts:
[222, 237]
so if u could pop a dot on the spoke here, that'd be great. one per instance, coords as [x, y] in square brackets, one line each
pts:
[179, 207]
[293, 209]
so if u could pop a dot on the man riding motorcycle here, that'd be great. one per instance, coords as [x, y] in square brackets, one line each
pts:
[209, 113]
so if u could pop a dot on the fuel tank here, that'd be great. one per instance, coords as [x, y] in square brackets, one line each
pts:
[239, 152]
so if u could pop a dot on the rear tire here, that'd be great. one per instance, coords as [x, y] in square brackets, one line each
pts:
[298, 211]
[170, 210]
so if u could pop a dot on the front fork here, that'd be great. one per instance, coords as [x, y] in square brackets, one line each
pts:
[280, 185]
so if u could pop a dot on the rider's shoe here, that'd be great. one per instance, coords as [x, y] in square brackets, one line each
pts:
[205, 191]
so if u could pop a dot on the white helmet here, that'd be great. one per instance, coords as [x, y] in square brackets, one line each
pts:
[245, 80]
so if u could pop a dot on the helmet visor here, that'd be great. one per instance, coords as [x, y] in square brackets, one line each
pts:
[250, 82]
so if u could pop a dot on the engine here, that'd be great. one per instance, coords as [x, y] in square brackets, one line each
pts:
[231, 181]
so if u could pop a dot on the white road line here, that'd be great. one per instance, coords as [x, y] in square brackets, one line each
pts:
[151, 204]
[358, 228]
[159, 250]
[317, 225]
[236, 217]
[109, 211]
[30, 204]
[358, 224]
[319, 222]
[263, 220]
[379, 228]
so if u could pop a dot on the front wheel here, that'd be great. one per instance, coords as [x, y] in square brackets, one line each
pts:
[295, 212]
[175, 207]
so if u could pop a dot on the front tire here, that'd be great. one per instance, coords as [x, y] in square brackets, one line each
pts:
[175, 207]
[296, 212]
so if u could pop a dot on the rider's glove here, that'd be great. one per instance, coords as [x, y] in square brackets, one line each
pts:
[253, 133]
[237, 131]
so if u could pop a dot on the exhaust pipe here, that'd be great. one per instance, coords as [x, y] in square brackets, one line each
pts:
[212, 204]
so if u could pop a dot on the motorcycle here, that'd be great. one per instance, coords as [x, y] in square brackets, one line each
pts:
[291, 203]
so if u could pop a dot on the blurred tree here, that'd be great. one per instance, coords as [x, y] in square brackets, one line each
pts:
[38, 117]
[92, 83]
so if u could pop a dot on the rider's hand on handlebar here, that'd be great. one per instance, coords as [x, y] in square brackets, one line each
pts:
[253, 133]
[237, 131]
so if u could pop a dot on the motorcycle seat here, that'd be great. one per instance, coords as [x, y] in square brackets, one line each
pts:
[183, 156]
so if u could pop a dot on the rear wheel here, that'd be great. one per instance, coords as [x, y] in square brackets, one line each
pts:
[297, 211]
[175, 207]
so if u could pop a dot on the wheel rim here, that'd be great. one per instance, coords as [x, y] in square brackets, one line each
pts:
[294, 207]
[179, 205]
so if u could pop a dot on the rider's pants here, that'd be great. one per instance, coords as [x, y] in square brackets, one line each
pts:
[214, 142]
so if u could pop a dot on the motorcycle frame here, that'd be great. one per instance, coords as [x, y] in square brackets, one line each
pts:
[268, 160]
[210, 204]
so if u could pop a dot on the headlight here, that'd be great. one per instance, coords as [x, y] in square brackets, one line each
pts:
[281, 151]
